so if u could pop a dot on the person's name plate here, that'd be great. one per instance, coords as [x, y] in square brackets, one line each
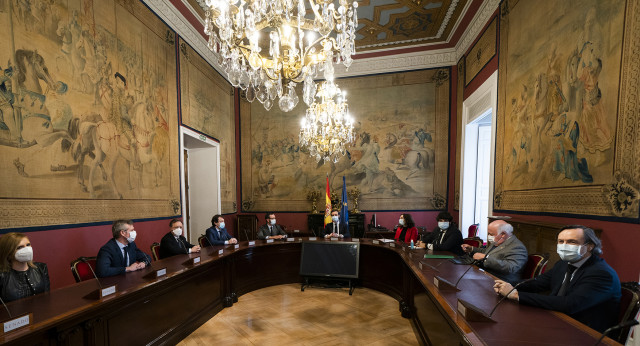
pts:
[236, 247]
[355, 239]
[376, 242]
[104, 292]
[157, 273]
[313, 238]
[252, 243]
[473, 313]
[444, 285]
[220, 252]
[291, 239]
[296, 231]
[334, 238]
[420, 265]
[404, 248]
[16, 323]
[269, 241]
[191, 261]
[392, 244]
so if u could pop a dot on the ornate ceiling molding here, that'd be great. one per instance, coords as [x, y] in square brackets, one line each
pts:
[383, 64]
[397, 63]
[478, 22]
[172, 16]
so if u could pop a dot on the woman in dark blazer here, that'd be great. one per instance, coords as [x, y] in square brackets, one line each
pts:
[20, 277]
[407, 230]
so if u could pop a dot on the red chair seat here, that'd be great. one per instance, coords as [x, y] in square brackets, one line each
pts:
[80, 268]
[536, 265]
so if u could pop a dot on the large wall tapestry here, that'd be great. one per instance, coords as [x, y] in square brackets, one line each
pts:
[568, 139]
[207, 107]
[88, 114]
[399, 160]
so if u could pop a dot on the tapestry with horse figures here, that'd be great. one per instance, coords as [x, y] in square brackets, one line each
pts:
[88, 113]
[398, 161]
[567, 140]
[207, 107]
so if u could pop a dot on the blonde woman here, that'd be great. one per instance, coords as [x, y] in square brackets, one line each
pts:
[20, 277]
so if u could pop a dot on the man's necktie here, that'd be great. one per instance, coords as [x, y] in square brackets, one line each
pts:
[180, 242]
[271, 230]
[126, 256]
[567, 280]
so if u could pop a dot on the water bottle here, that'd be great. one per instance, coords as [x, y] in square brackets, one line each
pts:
[412, 246]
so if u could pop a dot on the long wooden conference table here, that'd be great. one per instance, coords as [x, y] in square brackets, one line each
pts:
[165, 310]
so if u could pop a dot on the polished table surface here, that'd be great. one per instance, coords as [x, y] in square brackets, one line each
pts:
[166, 309]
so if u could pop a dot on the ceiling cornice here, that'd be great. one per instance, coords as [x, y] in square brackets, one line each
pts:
[387, 62]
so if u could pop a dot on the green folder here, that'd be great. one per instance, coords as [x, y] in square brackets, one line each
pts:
[438, 256]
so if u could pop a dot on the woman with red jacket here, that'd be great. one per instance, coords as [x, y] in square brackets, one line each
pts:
[407, 230]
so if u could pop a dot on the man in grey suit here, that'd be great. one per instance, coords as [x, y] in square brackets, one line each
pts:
[270, 230]
[505, 257]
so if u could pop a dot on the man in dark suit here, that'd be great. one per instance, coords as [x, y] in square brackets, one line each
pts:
[270, 230]
[505, 256]
[174, 243]
[335, 229]
[120, 254]
[446, 237]
[217, 234]
[581, 285]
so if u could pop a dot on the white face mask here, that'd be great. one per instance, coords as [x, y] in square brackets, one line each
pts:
[443, 225]
[25, 254]
[335, 218]
[273, 222]
[571, 253]
[177, 232]
[490, 238]
[221, 226]
[401, 222]
[132, 236]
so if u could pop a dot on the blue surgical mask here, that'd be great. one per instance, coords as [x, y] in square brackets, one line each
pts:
[273, 221]
[443, 225]
[221, 225]
[335, 218]
[570, 252]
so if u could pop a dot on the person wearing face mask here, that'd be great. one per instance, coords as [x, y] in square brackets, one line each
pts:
[335, 229]
[406, 230]
[446, 237]
[217, 234]
[505, 256]
[120, 254]
[174, 243]
[270, 230]
[581, 285]
[20, 277]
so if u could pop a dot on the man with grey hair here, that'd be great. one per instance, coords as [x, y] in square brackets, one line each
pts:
[505, 256]
[120, 254]
[581, 285]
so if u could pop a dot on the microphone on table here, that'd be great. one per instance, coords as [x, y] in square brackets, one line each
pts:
[625, 324]
[475, 262]
[84, 260]
[508, 293]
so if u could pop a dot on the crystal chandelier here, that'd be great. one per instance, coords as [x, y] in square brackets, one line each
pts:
[327, 127]
[266, 47]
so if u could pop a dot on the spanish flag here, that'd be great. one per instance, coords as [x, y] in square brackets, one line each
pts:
[327, 207]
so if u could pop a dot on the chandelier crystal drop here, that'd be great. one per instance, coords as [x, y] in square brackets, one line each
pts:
[266, 47]
[327, 128]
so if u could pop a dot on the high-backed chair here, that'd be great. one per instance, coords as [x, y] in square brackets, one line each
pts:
[475, 242]
[203, 241]
[155, 251]
[472, 232]
[536, 265]
[629, 305]
[80, 268]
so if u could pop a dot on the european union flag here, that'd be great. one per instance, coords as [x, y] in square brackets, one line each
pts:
[344, 212]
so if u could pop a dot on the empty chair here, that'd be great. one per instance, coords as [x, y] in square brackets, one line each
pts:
[80, 268]
[155, 251]
[629, 305]
[473, 231]
[536, 265]
[203, 241]
[475, 242]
